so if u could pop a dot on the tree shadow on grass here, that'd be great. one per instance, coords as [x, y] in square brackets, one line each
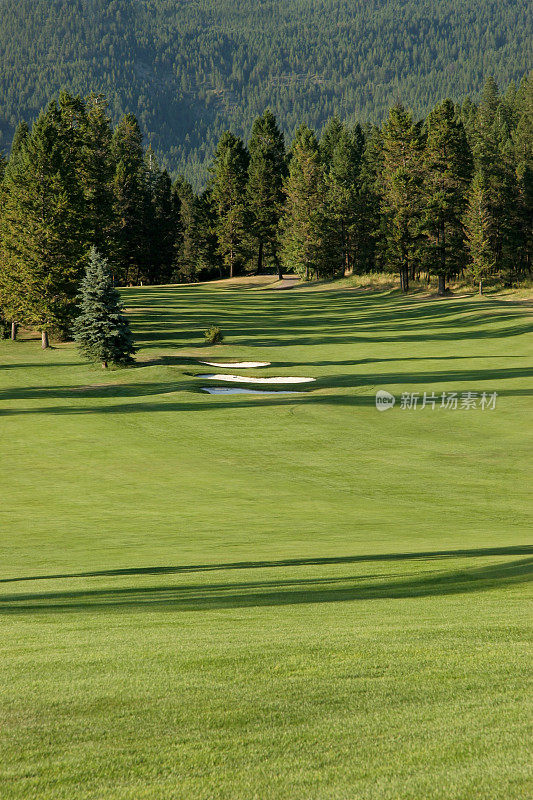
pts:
[223, 403]
[197, 597]
[424, 555]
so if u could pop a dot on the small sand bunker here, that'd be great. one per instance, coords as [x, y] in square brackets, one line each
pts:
[237, 364]
[241, 379]
[227, 390]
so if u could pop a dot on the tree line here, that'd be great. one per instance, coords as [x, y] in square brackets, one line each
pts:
[445, 196]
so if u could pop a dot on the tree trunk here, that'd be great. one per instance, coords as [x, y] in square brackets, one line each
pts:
[481, 287]
[14, 328]
[442, 285]
[44, 340]
[260, 258]
[404, 279]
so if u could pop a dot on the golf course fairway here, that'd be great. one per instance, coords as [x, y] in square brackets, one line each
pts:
[228, 597]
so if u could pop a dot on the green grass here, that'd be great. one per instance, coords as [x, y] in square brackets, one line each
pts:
[246, 597]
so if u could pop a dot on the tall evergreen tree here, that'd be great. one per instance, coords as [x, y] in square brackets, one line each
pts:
[101, 330]
[4, 325]
[523, 144]
[228, 194]
[264, 190]
[342, 180]
[306, 229]
[161, 223]
[9, 283]
[128, 252]
[40, 234]
[477, 225]
[20, 140]
[197, 257]
[447, 173]
[402, 178]
[333, 132]
[95, 170]
[368, 232]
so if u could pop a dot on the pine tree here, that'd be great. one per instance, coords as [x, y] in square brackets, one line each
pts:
[523, 144]
[101, 330]
[333, 131]
[368, 232]
[264, 190]
[307, 232]
[161, 223]
[477, 225]
[494, 157]
[41, 236]
[342, 179]
[20, 140]
[197, 257]
[95, 170]
[447, 171]
[227, 190]
[9, 283]
[129, 199]
[402, 177]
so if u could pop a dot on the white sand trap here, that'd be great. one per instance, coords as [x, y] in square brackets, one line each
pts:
[241, 379]
[227, 390]
[238, 364]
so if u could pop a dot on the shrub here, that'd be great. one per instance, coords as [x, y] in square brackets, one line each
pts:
[213, 335]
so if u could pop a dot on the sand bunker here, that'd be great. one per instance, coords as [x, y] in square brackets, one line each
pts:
[241, 379]
[227, 390]
[238, 364]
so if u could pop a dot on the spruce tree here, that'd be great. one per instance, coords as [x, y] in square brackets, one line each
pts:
[447, 171]
[101, 330]
[228, 195]
[264, 190]
[477, 225]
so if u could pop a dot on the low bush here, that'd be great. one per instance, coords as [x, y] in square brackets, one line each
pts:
[213, 335]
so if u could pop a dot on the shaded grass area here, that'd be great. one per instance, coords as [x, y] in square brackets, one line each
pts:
[277, 592]
[280, 598]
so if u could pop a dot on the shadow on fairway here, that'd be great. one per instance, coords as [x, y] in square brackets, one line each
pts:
[424, 555]
[356, 397]
[197, 597]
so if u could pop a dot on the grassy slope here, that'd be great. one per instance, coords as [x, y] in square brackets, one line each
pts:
[299, 596]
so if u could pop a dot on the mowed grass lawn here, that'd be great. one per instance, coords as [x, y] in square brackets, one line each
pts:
[269, 597]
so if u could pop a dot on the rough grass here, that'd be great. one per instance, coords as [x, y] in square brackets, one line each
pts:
[294, 597]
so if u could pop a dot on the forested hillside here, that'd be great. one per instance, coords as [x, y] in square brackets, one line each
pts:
[189, 69]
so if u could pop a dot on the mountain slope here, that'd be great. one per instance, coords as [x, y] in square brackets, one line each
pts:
[190, 68]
